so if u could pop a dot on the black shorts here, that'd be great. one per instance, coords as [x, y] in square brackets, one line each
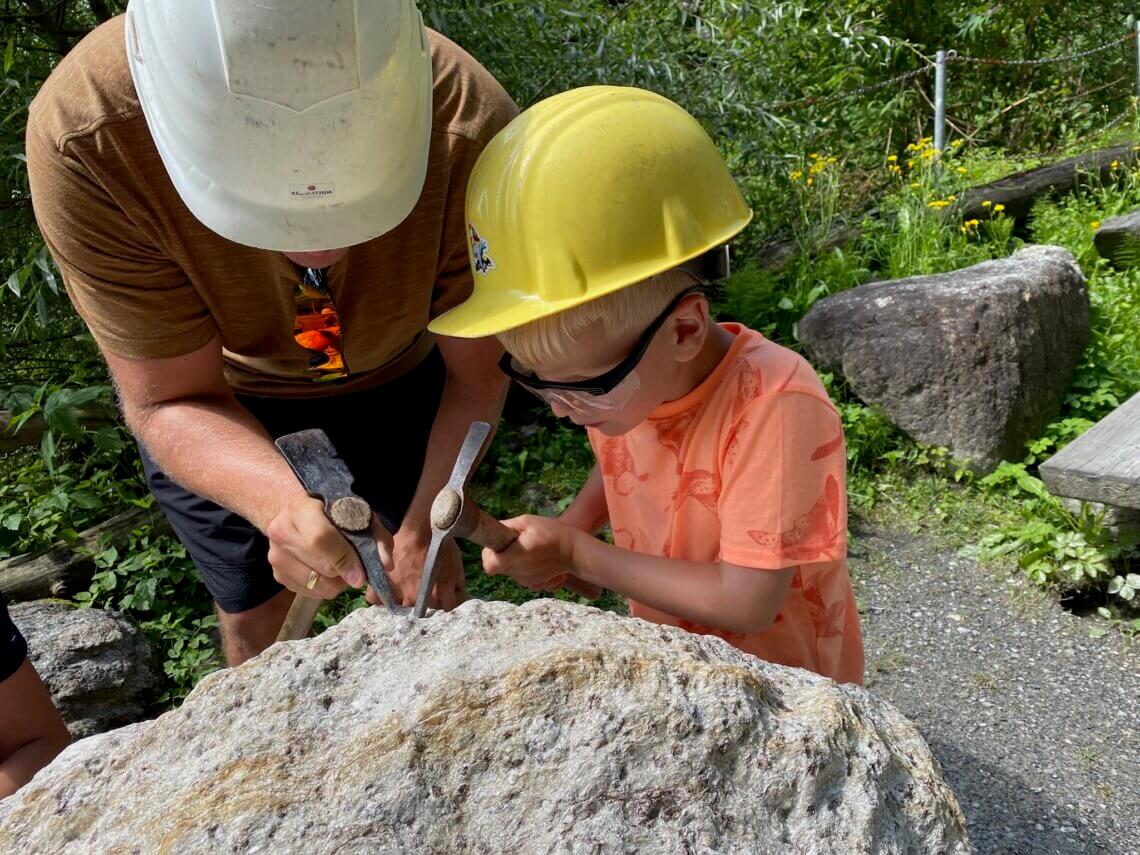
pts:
[382, 434]
[13, 648]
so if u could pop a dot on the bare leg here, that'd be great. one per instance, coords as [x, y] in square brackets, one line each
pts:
[31, 731]
[245, 634]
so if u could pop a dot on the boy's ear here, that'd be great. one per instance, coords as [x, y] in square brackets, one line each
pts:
[690, 327]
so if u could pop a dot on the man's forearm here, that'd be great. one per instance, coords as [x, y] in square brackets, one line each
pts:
[214, 447]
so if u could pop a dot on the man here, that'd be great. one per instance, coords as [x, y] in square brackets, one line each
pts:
[257, 208]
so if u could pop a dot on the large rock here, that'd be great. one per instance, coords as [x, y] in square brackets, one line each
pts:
[495, 728]
[1118, 239]
[98, 667]
[977, 360]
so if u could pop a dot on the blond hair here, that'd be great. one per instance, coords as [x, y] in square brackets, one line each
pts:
[622, 314]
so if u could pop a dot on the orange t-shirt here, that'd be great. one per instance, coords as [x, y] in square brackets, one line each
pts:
[748, 468]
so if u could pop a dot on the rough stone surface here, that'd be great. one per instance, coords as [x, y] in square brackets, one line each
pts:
[977, 360]
[97, 665]
[1118, 239]
[548, 727]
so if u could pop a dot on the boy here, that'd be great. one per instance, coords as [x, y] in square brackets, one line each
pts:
[595, 219]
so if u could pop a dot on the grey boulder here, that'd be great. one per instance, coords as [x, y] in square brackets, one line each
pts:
[98, 667]
[977, 360]
[548, 727]
[1118, 239]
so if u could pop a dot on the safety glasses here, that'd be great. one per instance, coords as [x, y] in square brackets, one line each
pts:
[316, 327]
[608, 392]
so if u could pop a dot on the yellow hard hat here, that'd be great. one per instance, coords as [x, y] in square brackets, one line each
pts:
[584, 193]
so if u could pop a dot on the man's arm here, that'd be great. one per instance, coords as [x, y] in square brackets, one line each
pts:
[185, 413]
[474, 390]
[31, 731]
[721, 595]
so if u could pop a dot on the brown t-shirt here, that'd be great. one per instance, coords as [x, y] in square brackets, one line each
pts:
[152, 282]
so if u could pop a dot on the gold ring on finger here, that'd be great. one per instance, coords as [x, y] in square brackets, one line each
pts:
[311, 582]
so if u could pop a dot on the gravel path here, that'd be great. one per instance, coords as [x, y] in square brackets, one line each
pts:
[1036, 725]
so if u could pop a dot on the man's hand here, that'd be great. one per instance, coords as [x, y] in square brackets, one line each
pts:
[409, 552]
[302, 539]
[542, 556]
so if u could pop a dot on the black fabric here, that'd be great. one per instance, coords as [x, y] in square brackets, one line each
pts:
[13, 648]
[382, 435]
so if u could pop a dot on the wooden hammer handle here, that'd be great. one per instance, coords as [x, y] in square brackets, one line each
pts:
[299, 621]
[478, 526]
[582, 588]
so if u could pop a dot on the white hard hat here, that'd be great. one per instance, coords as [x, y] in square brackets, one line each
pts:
[287, 124]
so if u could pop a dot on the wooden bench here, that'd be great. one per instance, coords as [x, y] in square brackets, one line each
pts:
[1103, 464]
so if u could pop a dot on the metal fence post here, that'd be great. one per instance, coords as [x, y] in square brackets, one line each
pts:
[940, 100]
[1138, 57]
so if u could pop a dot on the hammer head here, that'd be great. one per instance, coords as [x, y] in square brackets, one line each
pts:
[448, 506]
[325, 475]
[316, 463]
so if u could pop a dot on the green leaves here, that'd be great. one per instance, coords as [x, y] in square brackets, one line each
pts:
[1013, 478]
[150, 577]
[1125, 587]
[61, 404]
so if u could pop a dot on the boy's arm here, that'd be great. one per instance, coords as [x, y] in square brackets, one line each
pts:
[721, 595]
[588, 511]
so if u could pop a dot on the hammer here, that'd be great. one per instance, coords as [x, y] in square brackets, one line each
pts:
[325, 475]
[453, 514]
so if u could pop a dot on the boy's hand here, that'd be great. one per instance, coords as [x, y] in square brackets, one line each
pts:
[540, 558]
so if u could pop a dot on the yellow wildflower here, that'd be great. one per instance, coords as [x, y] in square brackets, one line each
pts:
[937, 204]
[952, 198]
[998, 208]
[986, 203]
[972, 224]
[814, 156]
[1114, 164]
[962, 170]
[1094, 225]
[957, 144]
[891, 158]
[910, 162]
[796, 175]
[810, 181]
